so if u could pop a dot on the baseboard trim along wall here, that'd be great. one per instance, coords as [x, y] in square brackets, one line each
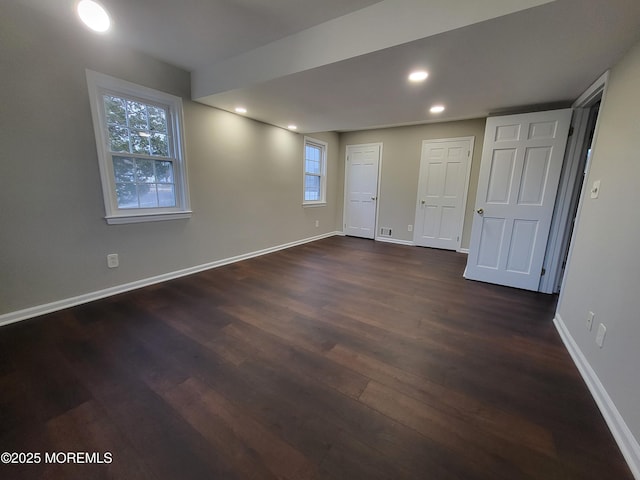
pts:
[395, 240]
[463, 250]
[38, 310]
[626, 441]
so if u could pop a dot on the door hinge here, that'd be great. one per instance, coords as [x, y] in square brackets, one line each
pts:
[543, 271]
[570, 131]
[468, 153]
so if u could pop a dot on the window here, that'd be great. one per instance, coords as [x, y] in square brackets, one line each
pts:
[140, 150]
[315, 169]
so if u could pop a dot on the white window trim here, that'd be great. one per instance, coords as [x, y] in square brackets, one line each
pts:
[99, 83]
[323, 172]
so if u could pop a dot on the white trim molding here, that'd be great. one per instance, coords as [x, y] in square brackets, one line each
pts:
[38, 310]
[395, 241]
[621, 433]
[463, 250]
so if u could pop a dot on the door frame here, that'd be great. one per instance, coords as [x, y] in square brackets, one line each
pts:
[345, 202]
[559, 239]
[471, 141]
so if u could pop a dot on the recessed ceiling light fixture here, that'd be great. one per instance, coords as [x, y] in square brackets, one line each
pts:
[292, 127]
[437, 109]
[418, 76]
[241, 110]
[93, 15]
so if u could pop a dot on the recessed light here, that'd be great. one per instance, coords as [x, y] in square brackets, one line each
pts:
[418, 76]
[93, 15]
[241, 110]
[292, 127]
[437, 109]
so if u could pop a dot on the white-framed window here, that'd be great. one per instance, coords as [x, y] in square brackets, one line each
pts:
[140, 150]
[315, 171]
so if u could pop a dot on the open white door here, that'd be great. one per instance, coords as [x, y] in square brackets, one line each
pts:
[361, 189]
[519, 173]
[442, 192]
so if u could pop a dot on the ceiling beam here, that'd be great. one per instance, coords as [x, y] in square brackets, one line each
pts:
[382, 25]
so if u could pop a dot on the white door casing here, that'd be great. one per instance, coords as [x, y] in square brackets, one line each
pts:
[361, 189]
[442, 192]
[519, 172]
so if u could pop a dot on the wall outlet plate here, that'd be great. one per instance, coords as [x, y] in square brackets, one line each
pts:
[595, 189]
[112, 260]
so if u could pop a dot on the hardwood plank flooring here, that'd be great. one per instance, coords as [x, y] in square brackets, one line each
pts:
[339, 359]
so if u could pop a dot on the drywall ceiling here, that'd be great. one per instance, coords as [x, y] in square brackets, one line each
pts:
[342, 64]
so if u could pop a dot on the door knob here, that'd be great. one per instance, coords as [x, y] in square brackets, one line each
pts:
[373, 198]
[423, 202]
[480, 211]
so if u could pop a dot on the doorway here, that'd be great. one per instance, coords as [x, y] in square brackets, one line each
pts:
[574, 172]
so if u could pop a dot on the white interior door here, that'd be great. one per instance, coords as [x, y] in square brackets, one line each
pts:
[442, 188]
[519, 173]
[361, 189]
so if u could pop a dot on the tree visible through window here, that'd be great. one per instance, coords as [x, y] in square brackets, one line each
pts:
[141, 129]
[315, 155]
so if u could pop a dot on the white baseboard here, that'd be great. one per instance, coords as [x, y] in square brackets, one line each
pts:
[626, 441]
[31, 312]
[395, 240]
[463, 250]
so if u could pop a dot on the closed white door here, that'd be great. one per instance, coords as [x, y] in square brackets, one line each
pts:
[361, 189]
[442, 188]
[519, 173]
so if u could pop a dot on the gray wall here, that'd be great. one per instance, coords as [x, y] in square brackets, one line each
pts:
[245, 177]
[603, 272]
[402, 148]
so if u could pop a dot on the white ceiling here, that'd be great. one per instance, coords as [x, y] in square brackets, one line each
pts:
[342, 64]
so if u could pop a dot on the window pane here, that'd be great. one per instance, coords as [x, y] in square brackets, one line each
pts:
[124, 170]
[159, 144]
[312, 166]
[115, 109]
[164, 172]
[127, 195]
[166, 195]
[145, 171]
[312, 187]
[137, 115]
[148, 195]
[157, 119]
[313, 153]
[140, 142]
[118, 139]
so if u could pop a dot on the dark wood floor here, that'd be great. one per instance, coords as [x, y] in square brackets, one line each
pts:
[339, 359]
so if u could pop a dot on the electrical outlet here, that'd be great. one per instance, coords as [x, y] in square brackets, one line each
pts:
[317, 223]
[602, 331]
[112, 260]
[590, 318]
[410, 228]
[595, 189]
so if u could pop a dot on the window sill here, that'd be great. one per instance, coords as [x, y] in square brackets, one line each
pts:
[147, 217]
[315, 204]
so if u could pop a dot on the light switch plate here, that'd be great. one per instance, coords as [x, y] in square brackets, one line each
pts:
[602, 331]
[595, 189]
